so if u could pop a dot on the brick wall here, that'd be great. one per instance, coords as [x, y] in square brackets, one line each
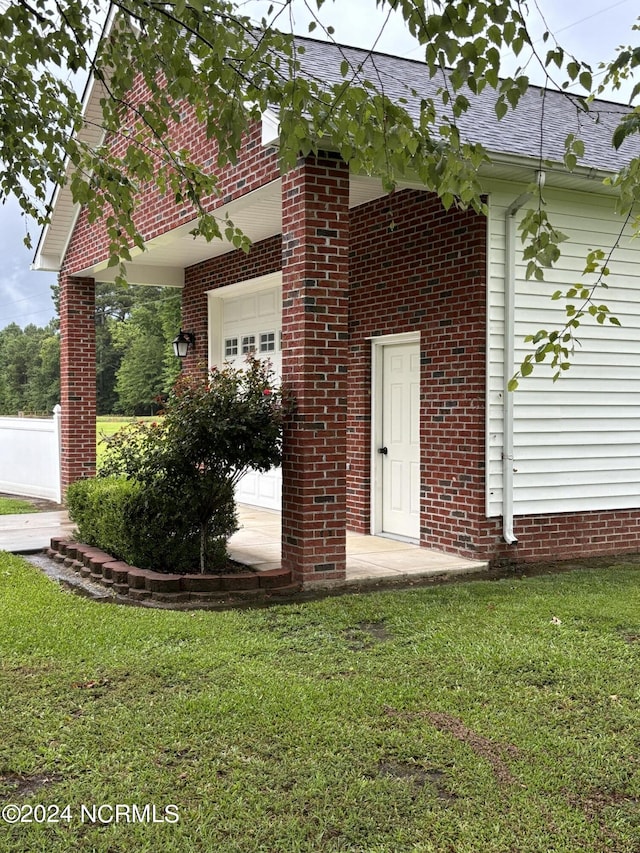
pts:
[157, 214]
[563, 536]
[416, 267]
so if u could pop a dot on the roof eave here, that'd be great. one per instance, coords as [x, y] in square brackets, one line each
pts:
[525, 169]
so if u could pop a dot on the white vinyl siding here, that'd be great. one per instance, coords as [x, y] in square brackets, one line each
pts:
[576, 441]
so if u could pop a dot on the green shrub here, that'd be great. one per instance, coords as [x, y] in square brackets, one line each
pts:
[178, 509]
[98, 508]
[120, 516]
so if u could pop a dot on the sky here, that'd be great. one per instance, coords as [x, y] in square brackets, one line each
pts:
[590, 29]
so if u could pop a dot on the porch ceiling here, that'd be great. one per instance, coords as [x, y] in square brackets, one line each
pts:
[258, 215]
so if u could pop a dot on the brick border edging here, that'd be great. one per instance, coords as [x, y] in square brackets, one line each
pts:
[144, 586]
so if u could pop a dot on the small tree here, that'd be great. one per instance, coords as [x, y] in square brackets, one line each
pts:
[214, 429]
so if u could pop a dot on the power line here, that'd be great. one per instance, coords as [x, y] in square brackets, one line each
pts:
[23, 299]
[593, 15]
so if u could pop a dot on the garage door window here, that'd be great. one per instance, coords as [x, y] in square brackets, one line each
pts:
[248, 344]
[267, 342]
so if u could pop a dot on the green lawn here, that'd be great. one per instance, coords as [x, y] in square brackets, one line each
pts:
[480, 717]
[108, 425]
[9, 506]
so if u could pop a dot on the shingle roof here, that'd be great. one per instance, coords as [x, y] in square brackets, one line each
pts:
[539, 125]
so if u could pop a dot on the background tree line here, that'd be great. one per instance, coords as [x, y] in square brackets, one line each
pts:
[134, 358]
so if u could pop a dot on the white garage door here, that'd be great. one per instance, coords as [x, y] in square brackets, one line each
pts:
[251, 322]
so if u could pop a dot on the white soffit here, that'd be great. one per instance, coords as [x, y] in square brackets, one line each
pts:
[258, 215]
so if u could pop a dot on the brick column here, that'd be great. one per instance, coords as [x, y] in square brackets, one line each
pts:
[315, 280]
[77, 378]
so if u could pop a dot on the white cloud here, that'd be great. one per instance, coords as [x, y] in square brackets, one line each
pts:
[25, 296]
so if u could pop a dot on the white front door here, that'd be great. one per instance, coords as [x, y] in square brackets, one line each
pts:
[399, 450]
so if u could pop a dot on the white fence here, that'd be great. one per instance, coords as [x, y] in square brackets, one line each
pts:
[30, 456]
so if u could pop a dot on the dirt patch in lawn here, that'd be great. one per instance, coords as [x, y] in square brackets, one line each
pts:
[484, 747]
[630, 636]
[491, 751]
[23, 785]
[607, 809]
[420, 776]
[366, 634]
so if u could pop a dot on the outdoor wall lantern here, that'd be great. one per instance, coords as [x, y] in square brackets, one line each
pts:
[183, 342]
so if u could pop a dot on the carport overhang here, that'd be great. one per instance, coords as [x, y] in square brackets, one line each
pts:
[258, 214]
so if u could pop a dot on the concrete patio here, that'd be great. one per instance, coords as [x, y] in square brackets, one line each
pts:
[257, 543]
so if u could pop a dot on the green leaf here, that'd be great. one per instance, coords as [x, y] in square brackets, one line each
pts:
[573, 69]
[629, 125]
[501, 109]
[586, 80]
[621, 60]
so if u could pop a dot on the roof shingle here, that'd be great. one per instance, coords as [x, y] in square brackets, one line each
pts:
[537, 127]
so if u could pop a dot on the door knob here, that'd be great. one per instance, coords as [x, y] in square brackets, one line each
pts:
[383, 450]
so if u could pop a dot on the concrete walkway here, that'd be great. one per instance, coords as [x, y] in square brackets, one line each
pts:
[257, 544]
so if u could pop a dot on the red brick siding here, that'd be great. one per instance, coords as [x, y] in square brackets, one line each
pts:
[315, 280]
[564, 536]
[157, 214]
[417, 267]
[77, 378]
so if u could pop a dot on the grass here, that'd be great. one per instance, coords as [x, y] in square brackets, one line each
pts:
[484, 717]
[108, 425]
[11, 506]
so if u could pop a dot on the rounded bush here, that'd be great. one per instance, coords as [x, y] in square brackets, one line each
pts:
[165, 495]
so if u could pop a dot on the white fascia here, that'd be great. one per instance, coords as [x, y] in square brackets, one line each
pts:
[270, 129]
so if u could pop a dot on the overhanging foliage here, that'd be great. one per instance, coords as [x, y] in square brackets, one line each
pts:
[157, 59]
